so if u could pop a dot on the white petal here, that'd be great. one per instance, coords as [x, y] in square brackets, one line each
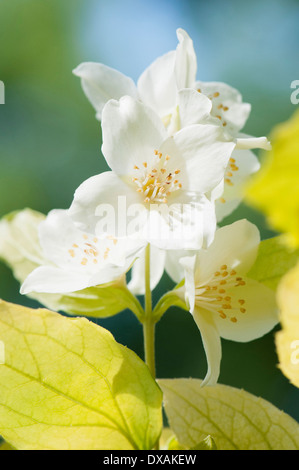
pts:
[79, 259]
[212, 345]
[70, 248]
[48, 279]
[225, 209]
[194, 107]
[227, 105]
[100, 197]
[205, 218]
[109, 274]
[173, 267]
[186, 63]
[203, 154]
[19, 246]
[186, 224]
[188, 263]
[260, 317]
[239, 170]
[217, 192]
[132, 139]
[57, 233]
[101, 83]
[157, 264]
[235, 245]
[157, 86]
[247, 143]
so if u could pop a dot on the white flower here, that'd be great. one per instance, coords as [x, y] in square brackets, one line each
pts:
[75, 259]
[21, 251]
[159, 85]
[204, 102]
[165, 177]
[180, 67]
[224, 302]
[169, 86]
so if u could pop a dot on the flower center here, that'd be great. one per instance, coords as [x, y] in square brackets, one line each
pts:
[157, 183]
[90, 250]
[214, 297]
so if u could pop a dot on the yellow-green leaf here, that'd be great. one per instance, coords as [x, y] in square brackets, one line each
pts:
[101, 301]
[287, 340]
[21, 251]
[67, 384]
[273, 261]
[275, 188]
[236, 419]
[170, 299]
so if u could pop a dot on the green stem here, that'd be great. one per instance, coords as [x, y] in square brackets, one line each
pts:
[149, 323]
[148, 293]
[149, 345]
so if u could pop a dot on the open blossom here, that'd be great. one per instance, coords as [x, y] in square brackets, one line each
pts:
[21, 251]
[170, 87]
[159, 84]
[166, 178]
[224, 302]
[75, 259]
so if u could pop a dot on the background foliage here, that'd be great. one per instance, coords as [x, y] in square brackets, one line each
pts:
[50, 141]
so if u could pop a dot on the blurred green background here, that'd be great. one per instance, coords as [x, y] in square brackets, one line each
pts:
[50, 141]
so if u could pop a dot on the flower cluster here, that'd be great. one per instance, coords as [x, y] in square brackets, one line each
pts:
[178, 162]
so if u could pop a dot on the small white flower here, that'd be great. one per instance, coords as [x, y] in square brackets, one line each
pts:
[75, 259]
[223, 301]
[151, 169]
